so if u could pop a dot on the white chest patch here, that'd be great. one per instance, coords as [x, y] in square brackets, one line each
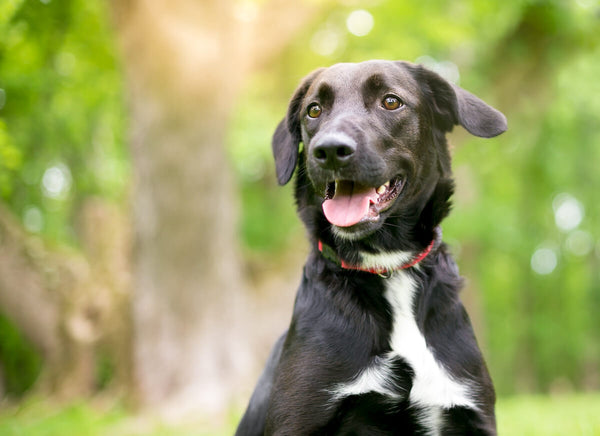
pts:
[434, 389]
[432, 385]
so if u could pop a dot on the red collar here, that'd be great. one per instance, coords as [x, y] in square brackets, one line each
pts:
[330, 254]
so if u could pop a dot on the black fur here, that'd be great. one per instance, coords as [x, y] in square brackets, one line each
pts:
[342, 320]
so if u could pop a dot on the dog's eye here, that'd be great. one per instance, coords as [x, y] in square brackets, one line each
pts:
[391, 102]
[314, 110]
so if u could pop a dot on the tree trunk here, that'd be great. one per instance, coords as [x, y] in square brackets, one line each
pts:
[184, 63]
[187, 273]
[186, 270]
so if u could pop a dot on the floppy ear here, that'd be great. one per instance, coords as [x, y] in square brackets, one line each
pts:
[285, 150]
[287, 136]
[453, 105]
[479, 118]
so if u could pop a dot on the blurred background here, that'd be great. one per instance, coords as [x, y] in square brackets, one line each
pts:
[148, 259]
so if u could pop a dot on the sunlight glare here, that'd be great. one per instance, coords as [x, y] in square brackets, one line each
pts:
[246, 11]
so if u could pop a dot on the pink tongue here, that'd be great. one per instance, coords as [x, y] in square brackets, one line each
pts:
[350, 204]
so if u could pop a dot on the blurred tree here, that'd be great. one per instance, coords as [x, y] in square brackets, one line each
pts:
[63, 278]
[185, 62]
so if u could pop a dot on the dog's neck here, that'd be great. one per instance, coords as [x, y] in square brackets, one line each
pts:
[383, 264]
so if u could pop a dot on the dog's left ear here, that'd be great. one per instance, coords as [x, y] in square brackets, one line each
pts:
[287, 136]
[479, 118]
[454, 105]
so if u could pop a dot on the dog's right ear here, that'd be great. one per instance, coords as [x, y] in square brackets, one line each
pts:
[287, 136]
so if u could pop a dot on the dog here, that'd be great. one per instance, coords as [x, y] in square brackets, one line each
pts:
[379, 342]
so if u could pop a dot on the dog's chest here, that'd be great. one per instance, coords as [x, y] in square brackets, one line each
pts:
[433, 389]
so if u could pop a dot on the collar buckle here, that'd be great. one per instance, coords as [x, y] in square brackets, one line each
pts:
[386, 274]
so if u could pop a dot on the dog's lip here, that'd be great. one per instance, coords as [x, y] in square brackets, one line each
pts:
[385, 192]
[388, 192]
[384, 198]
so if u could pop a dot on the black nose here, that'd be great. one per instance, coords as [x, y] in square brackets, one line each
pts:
[333, 154]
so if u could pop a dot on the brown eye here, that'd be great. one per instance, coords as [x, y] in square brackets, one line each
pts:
[314, 110]
[391, 102]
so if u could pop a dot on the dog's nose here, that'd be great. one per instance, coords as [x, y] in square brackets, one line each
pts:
[333, 154]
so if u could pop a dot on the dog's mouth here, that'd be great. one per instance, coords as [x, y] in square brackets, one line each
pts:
[348, 203]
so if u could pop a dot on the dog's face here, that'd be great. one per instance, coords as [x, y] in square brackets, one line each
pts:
[374, 146]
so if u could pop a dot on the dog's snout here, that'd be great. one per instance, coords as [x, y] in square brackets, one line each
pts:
[334, 153]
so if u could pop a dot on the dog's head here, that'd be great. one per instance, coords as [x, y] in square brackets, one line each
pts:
[375, 155]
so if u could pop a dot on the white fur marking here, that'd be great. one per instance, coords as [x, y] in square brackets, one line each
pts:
[432, 419]
[344, 234]
[389, 261]
[374, 378]
[433, 388]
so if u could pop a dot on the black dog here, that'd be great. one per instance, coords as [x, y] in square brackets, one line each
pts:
[379, 342]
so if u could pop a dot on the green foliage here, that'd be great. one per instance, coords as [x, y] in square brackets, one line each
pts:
[268, 217]
[20, 363]
[541, 325]
[61, 130]
[60, 110]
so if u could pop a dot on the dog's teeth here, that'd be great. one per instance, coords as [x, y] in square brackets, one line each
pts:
[387, 184]
[382, 189]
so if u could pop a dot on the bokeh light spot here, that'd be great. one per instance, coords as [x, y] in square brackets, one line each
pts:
[56, 181]
[568, 212]
[580, 243]
[360, 22]
[544, 261]
[447, 69]
[325, 42]
[33, 220]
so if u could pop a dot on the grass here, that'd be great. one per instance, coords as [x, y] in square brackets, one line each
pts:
[42, 418]
[577, 415]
